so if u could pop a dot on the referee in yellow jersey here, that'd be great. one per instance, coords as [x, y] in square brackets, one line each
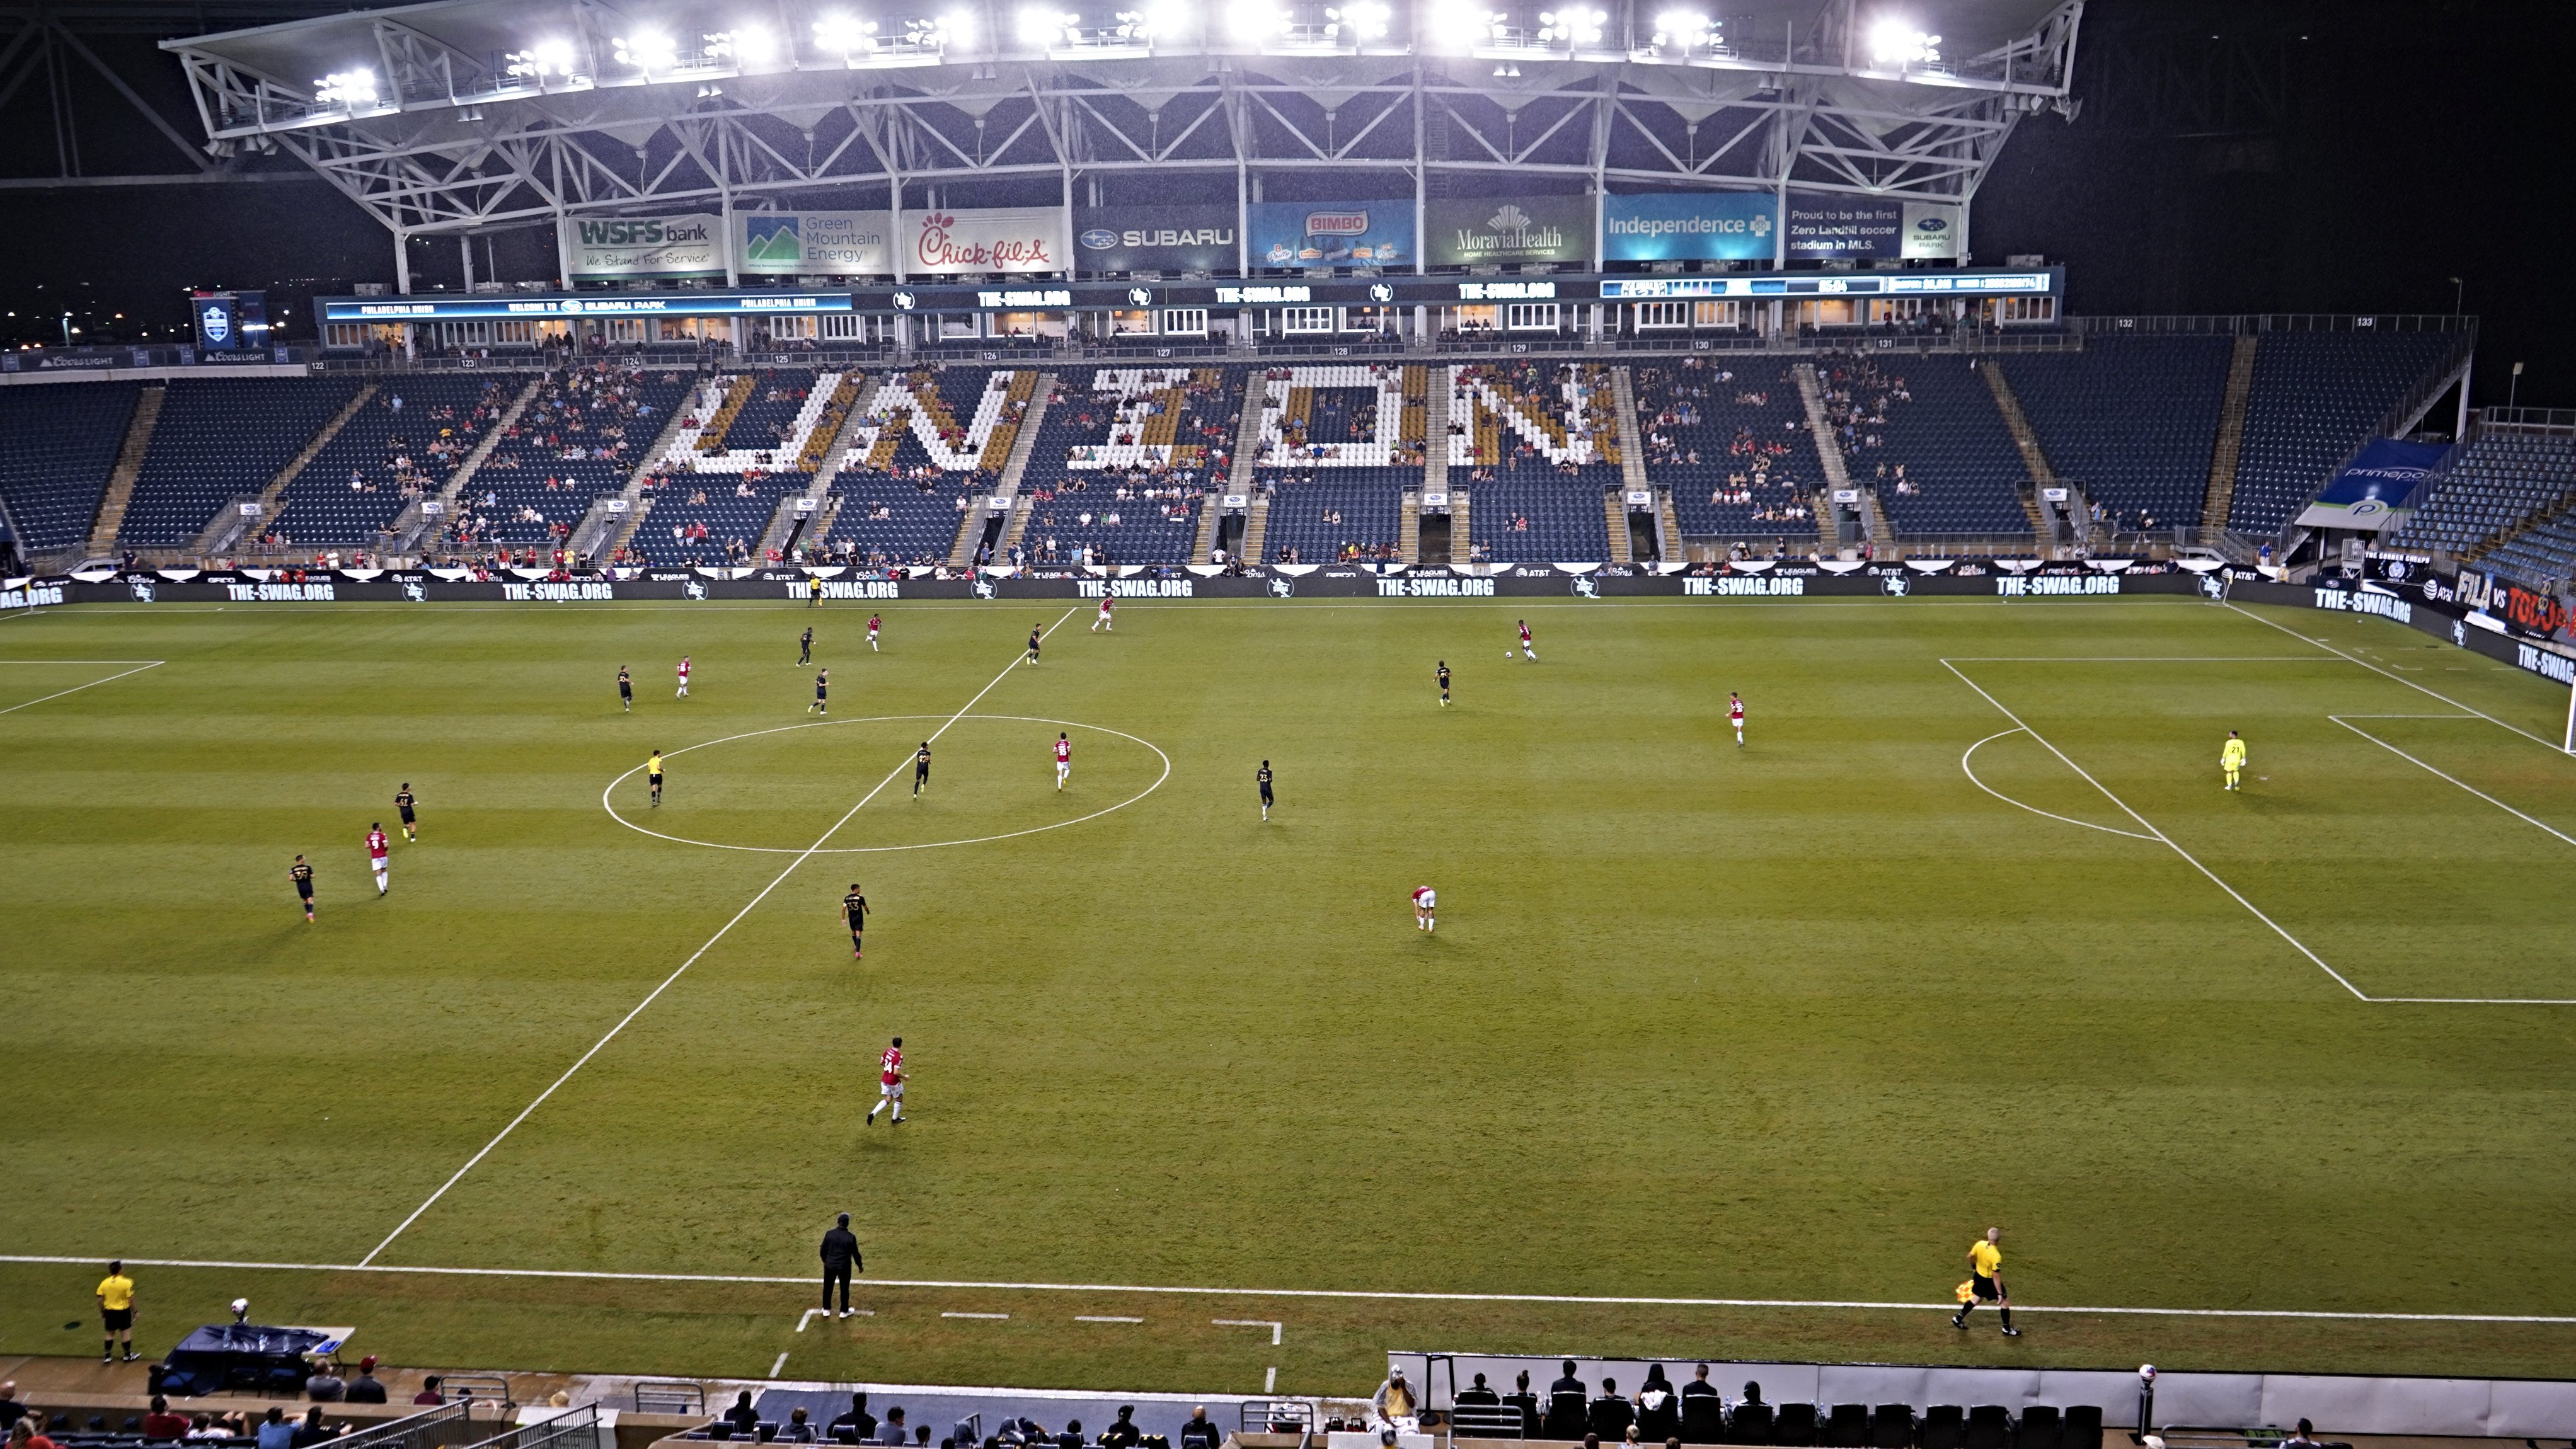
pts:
[1986, 1281]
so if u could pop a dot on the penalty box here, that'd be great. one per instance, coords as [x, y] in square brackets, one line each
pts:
[2391, 842]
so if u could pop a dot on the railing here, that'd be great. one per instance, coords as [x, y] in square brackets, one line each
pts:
[2524, 422]
[572, 1429]
[2233, 324]
[669, 1396]
[448, 1424]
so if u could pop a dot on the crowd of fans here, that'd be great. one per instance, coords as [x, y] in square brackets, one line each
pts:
[861, 1427]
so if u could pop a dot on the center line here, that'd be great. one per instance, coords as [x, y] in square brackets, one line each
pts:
[623, 1022]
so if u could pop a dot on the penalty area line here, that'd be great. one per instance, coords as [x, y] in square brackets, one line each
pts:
[806, 1280]
[656, 993]
[77, 688]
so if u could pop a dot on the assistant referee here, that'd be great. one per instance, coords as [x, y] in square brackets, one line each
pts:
[1986, 1281]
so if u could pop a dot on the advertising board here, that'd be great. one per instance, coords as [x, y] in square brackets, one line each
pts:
[1020, 239]
[1689, 226]
[617, 247]
[1334, 233]
[813, 243]
[1461, 232]
[1155, 238]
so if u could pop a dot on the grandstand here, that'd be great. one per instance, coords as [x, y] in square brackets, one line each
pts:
[57, 445]
[404, 444]
[1120, 468]
[1341, 444]
[2131, 419]
[221, 438]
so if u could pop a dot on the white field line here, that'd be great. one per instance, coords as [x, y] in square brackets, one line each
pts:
[608, 805]
[77, 688]
[2238, 897]
[1103, 1318]
[1271, 1324]
[2347, 722]
[1966, 769]
[721, 932]
[2552, 745]
[1363, 1294]
[2188, 857]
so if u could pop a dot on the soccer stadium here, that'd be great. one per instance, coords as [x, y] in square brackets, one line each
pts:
[780, 720]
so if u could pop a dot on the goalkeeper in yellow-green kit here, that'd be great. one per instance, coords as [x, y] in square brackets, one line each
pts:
[2231, 761]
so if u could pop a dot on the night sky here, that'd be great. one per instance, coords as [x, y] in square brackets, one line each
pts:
[2364, 153]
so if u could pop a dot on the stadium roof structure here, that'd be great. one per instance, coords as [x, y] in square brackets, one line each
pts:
[463, 115]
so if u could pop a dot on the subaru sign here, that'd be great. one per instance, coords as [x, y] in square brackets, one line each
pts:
[1155, 238]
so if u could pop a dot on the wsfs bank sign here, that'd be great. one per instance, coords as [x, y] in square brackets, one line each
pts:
[692, 245]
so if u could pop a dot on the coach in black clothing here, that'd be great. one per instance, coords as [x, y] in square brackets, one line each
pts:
[840, 1260]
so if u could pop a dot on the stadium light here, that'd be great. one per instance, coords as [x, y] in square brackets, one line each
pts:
[1043, 28]
[1462, 24]
[743, 45]
[1571, 27]
[1364, 21]
[647, 50]
[545, 58]
[1250, 22]
[346, 88]
[1897, 42]
[845, 36]
[1160, 20]
[1681, 29]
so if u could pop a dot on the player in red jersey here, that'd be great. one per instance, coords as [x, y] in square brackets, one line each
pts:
[1735, 716]
[1104, 621]
[684, 677]
[1526, 650]
[874, 623]
[890, 1079]
[1425, 899]
[1063, 760]
[376, 848]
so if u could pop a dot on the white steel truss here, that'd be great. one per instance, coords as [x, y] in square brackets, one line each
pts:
[492, 113]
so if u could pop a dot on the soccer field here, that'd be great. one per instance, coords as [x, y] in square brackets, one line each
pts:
[1966, 934]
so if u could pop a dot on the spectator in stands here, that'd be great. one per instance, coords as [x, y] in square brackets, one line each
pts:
[364, 1389]
[162, 1424]
[1566, 1402]
[23, 1434]
[313, 1431]
[1522, 1399]
[206, 1428]
[1395, 1403]
[429, 1393]
[275, 1432]
[325, 1386]
[1699, 1385]
[1198, 1433]
[742, 1415]
[892, 1433]
[1122, 1435]
[1071, 1438]
[11, 1411]
[2306, 1438]
[797, 1431]
[1611, 1414]
[1478, 1394]
[1659, 1409]
[861, 1424]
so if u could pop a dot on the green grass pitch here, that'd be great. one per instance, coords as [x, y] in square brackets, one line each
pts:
[1791, 1022]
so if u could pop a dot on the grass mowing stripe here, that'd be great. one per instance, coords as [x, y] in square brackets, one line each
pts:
[721, 932]
[2194, 861]
[1395, 1295]
[77, 688]
[2428, 769]
[2402, 679]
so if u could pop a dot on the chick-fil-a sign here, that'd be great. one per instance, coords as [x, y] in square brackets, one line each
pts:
[1016, 239]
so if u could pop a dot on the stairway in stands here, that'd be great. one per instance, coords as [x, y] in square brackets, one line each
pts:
[2231, 436]
[269, 509]
[414, 525]
[1829, 455]
[1024, 445]
[821, 459]
[2017, 423]
[129, 462]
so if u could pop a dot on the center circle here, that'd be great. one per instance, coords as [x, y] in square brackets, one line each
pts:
[991, 768]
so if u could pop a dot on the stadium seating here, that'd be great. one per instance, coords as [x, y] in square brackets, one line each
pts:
[1112, 430]
[580, 438]
[768, 418]
[2316, 397]
[1935, 418]
[714, 517]
[2131, 421]
[396, 452]
[220, 438]
[1520, 518]
[1321, 514]
[917, 527]
[1733, 447]
[2491, 483]
[58, 443]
